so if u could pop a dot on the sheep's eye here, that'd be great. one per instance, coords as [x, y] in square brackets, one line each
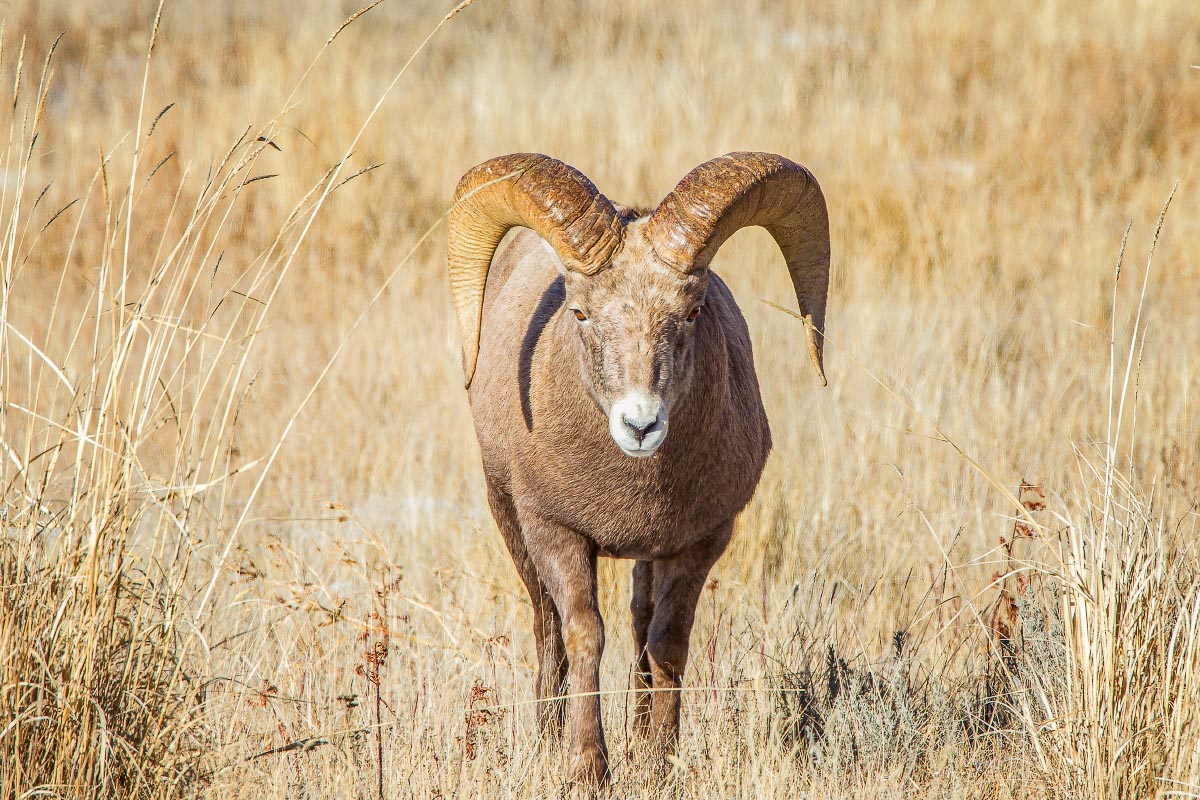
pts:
[695, 312]
[579, 315]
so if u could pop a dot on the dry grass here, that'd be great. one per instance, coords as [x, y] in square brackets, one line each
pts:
[244, 547]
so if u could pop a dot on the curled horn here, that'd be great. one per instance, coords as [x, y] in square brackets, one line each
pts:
[534, 191]
[738, 190]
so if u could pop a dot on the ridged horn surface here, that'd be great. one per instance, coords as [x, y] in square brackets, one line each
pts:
[738, 190]
[530, 190]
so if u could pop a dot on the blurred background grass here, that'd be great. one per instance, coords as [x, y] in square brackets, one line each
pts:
[982, 162]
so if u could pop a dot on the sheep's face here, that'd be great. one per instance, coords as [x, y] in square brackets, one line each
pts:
[636, 321]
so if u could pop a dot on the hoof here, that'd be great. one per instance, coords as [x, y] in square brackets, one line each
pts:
[589, 768]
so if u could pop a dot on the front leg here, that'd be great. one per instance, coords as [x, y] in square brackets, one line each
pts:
[566, 564]
[678, 582]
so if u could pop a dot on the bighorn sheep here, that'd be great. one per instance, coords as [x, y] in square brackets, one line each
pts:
[595, 332]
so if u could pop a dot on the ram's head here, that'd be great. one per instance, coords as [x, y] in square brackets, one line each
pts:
[636, 286]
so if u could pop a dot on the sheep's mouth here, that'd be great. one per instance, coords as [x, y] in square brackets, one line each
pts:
[640, 452]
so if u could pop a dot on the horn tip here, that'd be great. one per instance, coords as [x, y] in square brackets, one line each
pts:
[469, 365]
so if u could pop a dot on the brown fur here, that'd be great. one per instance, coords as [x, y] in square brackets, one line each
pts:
[563, 493]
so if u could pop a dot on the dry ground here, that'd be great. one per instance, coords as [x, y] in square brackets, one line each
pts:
[242, 505]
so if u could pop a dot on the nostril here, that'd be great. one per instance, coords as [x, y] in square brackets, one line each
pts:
[638, 427]
[641, 428]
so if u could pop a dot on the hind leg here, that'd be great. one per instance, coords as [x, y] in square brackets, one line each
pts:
[547, 626]
[641, 605]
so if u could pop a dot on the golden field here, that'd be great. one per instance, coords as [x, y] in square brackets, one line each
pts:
[244, 544]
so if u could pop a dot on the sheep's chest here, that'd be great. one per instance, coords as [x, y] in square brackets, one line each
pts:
[644, 508]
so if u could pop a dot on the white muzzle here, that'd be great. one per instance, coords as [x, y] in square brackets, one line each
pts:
[638, 424]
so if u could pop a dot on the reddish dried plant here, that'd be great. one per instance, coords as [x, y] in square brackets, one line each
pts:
[481, 718]
[1012, 582]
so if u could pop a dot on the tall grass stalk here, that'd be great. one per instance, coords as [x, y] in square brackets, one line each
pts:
[117, 429]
